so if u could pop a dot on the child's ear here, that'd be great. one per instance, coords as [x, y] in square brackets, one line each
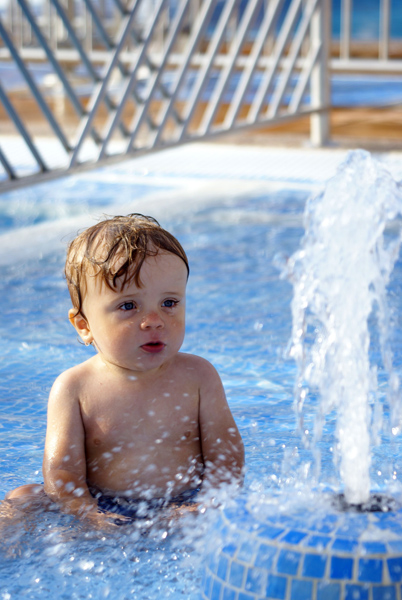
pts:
[81, 325]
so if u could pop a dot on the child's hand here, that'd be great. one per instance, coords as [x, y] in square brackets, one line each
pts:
[178, 511]
[104, 520]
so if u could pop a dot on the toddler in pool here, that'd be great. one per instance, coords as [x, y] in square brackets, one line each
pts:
[139, 423]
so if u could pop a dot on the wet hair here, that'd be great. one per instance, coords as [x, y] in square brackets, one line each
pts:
[114, 251]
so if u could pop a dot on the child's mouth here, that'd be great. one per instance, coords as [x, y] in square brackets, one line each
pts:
[153, 347]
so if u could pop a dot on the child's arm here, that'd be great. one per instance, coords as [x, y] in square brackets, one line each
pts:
[64, 464]
[221, 444]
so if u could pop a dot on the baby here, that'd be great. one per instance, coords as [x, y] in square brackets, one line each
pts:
[139, 423]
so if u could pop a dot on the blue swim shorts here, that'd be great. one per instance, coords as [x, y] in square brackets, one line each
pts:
[140, 508]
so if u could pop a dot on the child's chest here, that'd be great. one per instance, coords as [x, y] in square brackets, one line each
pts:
[127, 418]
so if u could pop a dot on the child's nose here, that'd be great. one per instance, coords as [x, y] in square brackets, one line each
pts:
[151, 321]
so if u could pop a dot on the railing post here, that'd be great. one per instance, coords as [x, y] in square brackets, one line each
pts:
[385, 8]
[346, 21]
[320, 76]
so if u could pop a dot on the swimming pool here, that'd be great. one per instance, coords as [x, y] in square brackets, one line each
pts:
[238, 317]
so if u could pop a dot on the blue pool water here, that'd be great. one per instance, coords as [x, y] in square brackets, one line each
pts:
[238, 318]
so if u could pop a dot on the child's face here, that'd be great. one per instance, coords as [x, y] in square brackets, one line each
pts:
[137, 329]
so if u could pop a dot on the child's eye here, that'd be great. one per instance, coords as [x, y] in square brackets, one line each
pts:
[127, 306]
[169, 303]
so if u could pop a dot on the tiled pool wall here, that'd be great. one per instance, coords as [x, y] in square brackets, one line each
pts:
[338, 556]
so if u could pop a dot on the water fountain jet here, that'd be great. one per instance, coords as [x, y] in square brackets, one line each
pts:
[340, 276]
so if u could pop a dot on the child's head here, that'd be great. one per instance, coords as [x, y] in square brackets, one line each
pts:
[113, 251]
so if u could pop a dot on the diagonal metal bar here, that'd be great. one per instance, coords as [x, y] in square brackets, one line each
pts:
[7, 167]
[279, 48]
[205, 71]
[50, 55]
[110, 44]
[94, 75]
[22, 130]
[120, 6]
[142, 112]
[301, 86]
[101, 88]
[99, 25]
[237, 44]
[265, 29]
[293, 54]
[74, 39]
[198, 32]
[115, 115]
[33, 87]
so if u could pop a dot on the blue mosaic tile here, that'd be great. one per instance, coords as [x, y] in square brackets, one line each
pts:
[216, 590]
[341, 568]
[236, 575]
[230, 549]
[276, 587]
[390, 525]
[237, 514]
[314, 565]
[328, 591]
[265, 556]
[317, 541]
[382, 516]
[207, 585]
[384, 521]
[343, 576]
[288, 562]
[246, 551]
[301, 590]
[370, 570]
[293, 537]
[223, 567]
[386, 592]
[292, 521]
[228, 594]
[212, 562]
[255, 581]
[395, 568]
[374, 548]
[343, 545]
[395, 528]
[269, 532]
[353, 527]
[356, 592]
[326, 524]
[395, 547]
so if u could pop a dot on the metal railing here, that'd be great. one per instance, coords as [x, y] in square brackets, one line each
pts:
[130, 76]
[163, 73]
[379, 55]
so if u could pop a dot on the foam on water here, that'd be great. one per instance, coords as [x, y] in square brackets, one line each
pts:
[340, 276]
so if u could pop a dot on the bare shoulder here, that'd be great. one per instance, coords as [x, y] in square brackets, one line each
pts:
[70, 383]
[201, 368]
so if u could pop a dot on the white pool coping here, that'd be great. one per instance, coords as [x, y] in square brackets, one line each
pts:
[202, 160]
[178, 180]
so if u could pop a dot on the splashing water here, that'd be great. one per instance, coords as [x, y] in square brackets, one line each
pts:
[340, 275]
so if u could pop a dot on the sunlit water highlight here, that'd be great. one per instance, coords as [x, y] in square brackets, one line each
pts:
[238, 317]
